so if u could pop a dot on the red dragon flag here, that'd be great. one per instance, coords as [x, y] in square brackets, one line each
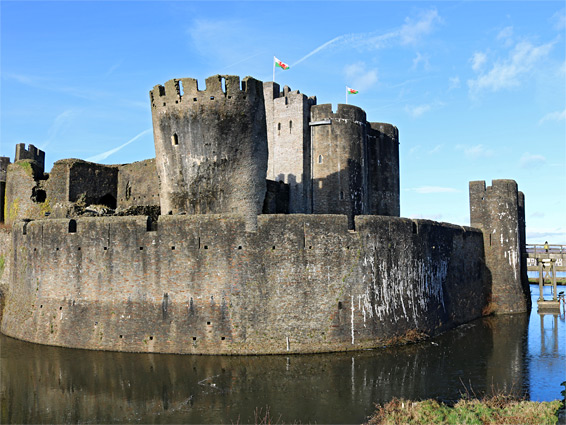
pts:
[351, 91]
[280, 64]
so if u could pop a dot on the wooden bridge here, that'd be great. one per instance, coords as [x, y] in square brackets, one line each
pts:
[547, 260]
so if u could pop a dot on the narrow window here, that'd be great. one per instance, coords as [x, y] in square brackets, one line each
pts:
[290, 126]
[278, 129]
[181, 90]
[320, 159]
[341, 195]
[223, 82]
[72, 226]
[174, 139]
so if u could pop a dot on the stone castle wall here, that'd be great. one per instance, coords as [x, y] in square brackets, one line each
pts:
[202, 284]
[211, 146]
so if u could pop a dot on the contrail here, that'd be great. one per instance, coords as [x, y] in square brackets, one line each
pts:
[104, 155]
[319, 48]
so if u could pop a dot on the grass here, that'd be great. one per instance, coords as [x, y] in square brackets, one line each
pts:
[496, 410]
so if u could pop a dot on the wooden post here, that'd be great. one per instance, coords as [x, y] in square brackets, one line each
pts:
[540, 279]
[554, 289]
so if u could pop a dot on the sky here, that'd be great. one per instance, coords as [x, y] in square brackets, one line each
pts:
[477, 89]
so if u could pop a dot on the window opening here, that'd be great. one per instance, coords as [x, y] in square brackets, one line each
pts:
[290, 126]
[72, 226]
[174, 139]
[320, 159]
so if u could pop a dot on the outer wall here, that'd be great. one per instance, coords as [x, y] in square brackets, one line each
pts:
[202, 284]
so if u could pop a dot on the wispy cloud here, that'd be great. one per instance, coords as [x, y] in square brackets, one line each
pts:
[418, 110]
[509, 72]
[537, 214]
[506, 36]
[559, 20]
[453, 83]
[359, 77]
[436, 149]
[432, 189]
[553, 116]
[59, 126]
[476, 151]
[422, 60]
[413, 30]
[102, 156]
[50, 85]
[478, 60]
[529, 160]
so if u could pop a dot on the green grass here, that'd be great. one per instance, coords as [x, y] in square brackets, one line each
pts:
[494, 410]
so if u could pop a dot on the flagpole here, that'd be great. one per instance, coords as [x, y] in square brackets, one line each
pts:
[273, 68]
[346, 95]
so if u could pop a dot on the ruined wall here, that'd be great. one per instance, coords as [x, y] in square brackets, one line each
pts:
[4, 162]
[32, 153]
[138, 184]
[211, 146]
[288, 134]
[24, 196]
[338, 152]
[202, 284]
[383, 169]
[499, 211]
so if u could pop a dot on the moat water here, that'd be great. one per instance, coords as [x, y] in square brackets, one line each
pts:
[522, 354]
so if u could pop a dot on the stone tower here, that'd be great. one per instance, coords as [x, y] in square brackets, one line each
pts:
[288, 134]
[383, 166]
[499, 211]
[4, 162]
[339, 159]
[355, 164]
[211, 146]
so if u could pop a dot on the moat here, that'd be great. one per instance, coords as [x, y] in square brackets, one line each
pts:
[522, 353]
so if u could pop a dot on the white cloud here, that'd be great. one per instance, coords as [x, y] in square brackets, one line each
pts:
[509, 72]
[506, 36]
[359, 77]
[414, 149]
[437, 148]
[418, 110]
[413, 30]
[102, 156]
[475, 152]
[453, 83]
[478, 60]
[531, 161]
[432, 189]
[553, 116]
[60, 124]
[421, 59]
[559, 20]
[537, 214]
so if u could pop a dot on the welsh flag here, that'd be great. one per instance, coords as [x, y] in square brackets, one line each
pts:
[280, 64]
[351, 91]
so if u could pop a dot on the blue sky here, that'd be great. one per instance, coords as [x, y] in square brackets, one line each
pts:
[477, 89]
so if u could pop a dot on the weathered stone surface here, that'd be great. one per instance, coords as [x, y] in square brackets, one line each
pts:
[211, 146]
[499, 211]
[202, 284]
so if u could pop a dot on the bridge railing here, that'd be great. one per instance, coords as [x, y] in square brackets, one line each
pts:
[540, 248]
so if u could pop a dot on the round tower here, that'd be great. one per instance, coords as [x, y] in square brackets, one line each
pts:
[339, 174]
[211, 146]
[383, 169]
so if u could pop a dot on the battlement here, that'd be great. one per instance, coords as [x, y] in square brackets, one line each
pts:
[383, 131]
[32, 153]
[185, 90]
[343, 112]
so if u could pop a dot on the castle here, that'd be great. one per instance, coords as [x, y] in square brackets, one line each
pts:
[265, 224]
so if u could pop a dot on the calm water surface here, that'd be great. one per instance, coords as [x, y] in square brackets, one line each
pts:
[523, 354]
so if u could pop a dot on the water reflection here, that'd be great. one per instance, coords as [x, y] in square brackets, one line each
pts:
[54, 385]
